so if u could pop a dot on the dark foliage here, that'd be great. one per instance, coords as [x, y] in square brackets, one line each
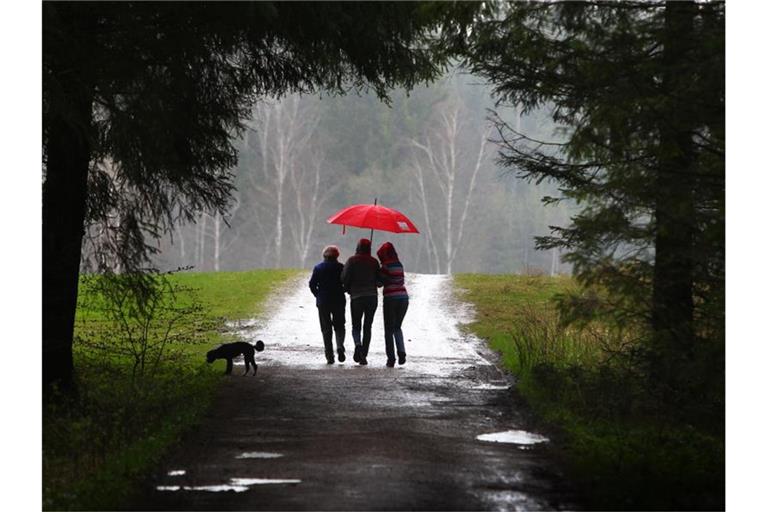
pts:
[639, 90]
[141, 102]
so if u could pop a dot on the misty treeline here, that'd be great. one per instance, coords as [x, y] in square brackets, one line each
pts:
[211, 148]
[429, 154]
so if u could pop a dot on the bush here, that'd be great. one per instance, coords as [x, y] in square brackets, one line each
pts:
[97, 445]
[628, 447]
[138, 389]
[628, 441]
[145, 325]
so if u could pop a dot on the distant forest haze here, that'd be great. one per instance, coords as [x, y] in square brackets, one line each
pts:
[428, 154]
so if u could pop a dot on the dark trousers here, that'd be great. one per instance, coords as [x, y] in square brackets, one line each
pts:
[332, 319]
[362, 310]
[394, 312]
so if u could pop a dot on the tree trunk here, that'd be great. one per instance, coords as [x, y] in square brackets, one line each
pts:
[525, 253]
[553, 267]
[449, 252]
[672, 301]
[201, 237]
[182, 249]
[430, 241]
[216, 241]
[64, 207]
[279, 228]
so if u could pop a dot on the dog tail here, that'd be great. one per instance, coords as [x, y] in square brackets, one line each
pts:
[259, 346]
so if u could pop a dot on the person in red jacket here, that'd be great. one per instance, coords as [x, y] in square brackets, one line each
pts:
[392, 276]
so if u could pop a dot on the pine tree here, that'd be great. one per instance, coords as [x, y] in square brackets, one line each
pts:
[639, 90]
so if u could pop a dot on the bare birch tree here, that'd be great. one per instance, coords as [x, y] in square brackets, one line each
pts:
[453, 157]
[286, 169]
[221, 237]
[310, 193]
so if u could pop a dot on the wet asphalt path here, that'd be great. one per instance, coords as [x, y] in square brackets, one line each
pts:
[303, 435]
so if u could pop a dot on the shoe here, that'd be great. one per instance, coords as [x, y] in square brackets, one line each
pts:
[390, 363]
[401, 358]
[363, 361]
[356, 355]
[342, 357]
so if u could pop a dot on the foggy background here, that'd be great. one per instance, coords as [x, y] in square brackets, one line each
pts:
[427, 154]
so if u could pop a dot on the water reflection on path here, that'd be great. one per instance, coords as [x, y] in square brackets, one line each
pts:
[449, 391]
[433, 340]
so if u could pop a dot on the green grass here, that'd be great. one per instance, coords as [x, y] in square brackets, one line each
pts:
[502, 302]
[618, 447]
[100, 445]
[234, 295]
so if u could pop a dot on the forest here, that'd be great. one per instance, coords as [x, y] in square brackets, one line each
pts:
[428, 152]
[564, 163]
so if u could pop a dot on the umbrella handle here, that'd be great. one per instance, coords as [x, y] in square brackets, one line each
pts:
[375, 202]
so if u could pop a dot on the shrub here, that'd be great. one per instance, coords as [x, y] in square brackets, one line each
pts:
[147, 326]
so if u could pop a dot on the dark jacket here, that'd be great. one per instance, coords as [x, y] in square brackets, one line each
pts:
[325, 283]
[360, 275]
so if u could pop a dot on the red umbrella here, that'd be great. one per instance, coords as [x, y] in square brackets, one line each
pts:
[373, 216]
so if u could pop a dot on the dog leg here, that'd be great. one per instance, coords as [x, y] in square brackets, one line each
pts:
[229, 366]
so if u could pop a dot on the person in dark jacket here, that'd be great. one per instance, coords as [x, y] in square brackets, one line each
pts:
[325, 285]
[392, 277]
[359, 277]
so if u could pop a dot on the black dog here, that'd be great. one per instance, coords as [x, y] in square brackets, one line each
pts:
[229, 351]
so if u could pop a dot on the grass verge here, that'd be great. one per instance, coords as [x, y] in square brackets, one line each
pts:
[101, 444]
[620, 449]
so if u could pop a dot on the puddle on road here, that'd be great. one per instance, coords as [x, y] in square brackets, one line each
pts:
[177, 472]
[485, 386]
[264, 481]
[207, 488]
[259, 455]
[514, 437]
[504, 501]
[235, 484]
[216, 488]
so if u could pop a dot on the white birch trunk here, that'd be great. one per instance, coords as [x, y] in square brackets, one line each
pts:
[201, 254]
[471, 188]
[216, 241]
[279, 227]
[433, 258]
[553, 270]
[449, 169]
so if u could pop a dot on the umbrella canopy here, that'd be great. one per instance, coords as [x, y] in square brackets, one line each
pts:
[373, 216]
